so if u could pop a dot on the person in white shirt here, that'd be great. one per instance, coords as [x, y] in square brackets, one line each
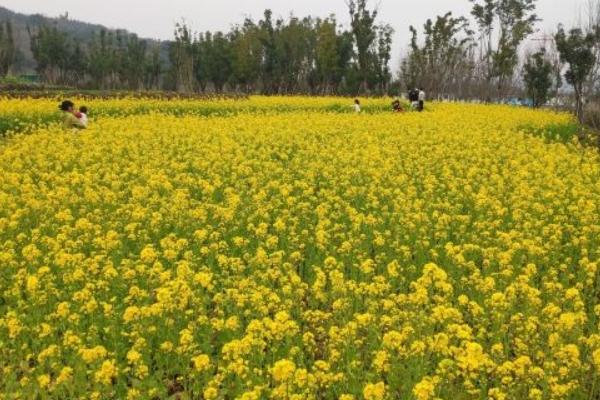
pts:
[421, 99]
[82, 115]
[356, 105]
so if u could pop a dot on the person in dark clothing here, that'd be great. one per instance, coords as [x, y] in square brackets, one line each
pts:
[413, 97]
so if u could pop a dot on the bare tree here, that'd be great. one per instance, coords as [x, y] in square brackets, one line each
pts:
[503, 25]
[443, 63]
[589, 22]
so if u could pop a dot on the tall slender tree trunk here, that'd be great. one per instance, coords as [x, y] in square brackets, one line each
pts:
[579, 104]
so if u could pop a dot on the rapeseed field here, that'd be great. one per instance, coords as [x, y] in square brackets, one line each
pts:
[286, 248]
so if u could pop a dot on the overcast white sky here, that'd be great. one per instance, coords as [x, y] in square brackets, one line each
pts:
[155, 18]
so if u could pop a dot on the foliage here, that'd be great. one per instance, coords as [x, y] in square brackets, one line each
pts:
[440, 64]
[537, 76]
[112, 59]
[330, 60]
[78, 31]
[511, 21]
[576, 50]
[589, 134]
[272, 56]
[102, 66]
[362, 22]
[8, 50]
[53, 52]
[183, 58]
[217, 54]
[298, 55]
[246, 56]
[383, 56]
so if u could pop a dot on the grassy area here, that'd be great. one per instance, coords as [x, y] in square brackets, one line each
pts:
[564, 133]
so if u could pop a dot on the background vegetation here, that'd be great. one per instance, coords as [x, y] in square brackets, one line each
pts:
[485, 56]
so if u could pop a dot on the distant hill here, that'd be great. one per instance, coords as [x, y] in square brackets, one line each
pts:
[80, 31]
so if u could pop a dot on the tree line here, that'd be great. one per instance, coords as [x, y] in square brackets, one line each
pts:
[269, 56]
[297, 55]
[111, 60]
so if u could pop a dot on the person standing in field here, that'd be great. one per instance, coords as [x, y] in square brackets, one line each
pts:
[421, 99]
[356, 106]
[69, 120]
[413, 97]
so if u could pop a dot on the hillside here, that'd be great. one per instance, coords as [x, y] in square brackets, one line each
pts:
[80, 31]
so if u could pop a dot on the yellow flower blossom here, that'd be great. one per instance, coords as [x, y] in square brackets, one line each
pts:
[283, 370]
[201, 362]
[107, 372]
[374, 391]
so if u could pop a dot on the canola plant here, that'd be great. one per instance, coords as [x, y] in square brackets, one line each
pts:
[286, 248]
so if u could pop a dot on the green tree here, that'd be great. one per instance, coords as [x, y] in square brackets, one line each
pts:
[77, 66]
[153, 68]
[384, 55]
[326, 54]
[537, 76]
[295, 55]
[182, 55]
[8, 50]
[51, 50]
[102, 59]
[362, 21]
[577, 51]
[202, 44]
[134, 62]
[219, 61]
[285, 56]
[269, 58]
[514, 20]
[247, 55]
[345, 68]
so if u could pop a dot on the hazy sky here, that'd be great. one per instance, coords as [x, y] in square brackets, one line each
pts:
[155, 18]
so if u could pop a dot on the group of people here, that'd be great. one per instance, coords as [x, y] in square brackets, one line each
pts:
[78, 119]
[415, 96]
[72, 118]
